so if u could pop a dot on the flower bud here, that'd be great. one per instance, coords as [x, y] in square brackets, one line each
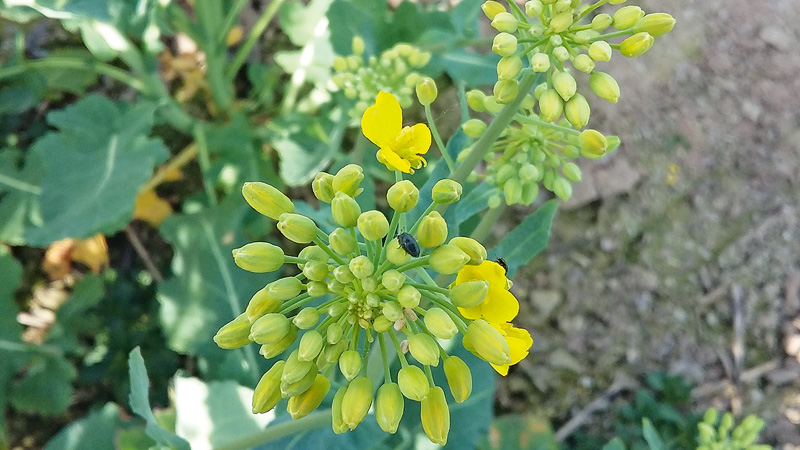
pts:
[301, 405]
[512, 191]
[426, 91]
[509, 67]
[393, 280]
[447, 259]
[333, 352]
[381, 324]
[261, 303]
[285, 288]
[473, 249]
[604, 86]
[627, 16]
[312, 253]
[408, 296]
[504, 44]
[270, 328]
[306, 318]
[592, 143]
[440, 324]
[373, 225]
[505, 21]
[361, 267]
[258, 257]
[492, 9]
[459, 378]
[392, 310]
[600, 51]
[389, 407]
[342, 242]
[550, 106]
[491, 105]
[413, 383]
[347, 180]
[310, 345]
[572, 172]
[234, 334]
[539, 90]
[435, 416]
[343, 274]
[475, 100]
[602, 21]
[323, 187]
[561, 53]
[340, 64]
[337, 421]
[560, 22]
[446, 191]
[469, 294]
[315, 270]
[533, 8]
[562, 188]
[396, 254]
[290, 389]
[473, 128]
[540, 62]
[268, 390]
[655, 24]
[505, 91]
[272, 350]
[528, 102]
[528, 172]
[266, 199]
[297, 228]
[350, 364]
[402, 196]
[424, 349]
[356, 401]
[577, 111]
[636, 45]
[583, 63]
[296, 369]
[334, 332]
[345, 210]
[484, 340]
[432, 230]
[565, 85]
[613, 143]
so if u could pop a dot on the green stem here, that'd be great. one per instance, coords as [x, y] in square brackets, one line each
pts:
[590, 9]
[419, 262]
[436, 137]
[73, 62]
[487, 222]
[252, 38]
[312, 421]
[230, 21]
[387, 374]
[543, 124]
[328, 250]
[400, 355]
[294, 303]
[437, 289]
[204, 159]
[294, 260]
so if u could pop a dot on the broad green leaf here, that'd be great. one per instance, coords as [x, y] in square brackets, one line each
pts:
[529, 238]
[19, 195]
[96, 431]
[93, 168]
[140, 403]
[368, 436]
[234, 157]
[474, 202]
[71, 317]
[358, 18]
[12, 350]
[304, 146]
[521, 432]
[472, 68]
[615, 444]
[651, 436]
[466, 17]
[47, 386]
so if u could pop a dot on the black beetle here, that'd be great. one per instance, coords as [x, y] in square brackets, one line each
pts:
[408, 243]
[502, 263]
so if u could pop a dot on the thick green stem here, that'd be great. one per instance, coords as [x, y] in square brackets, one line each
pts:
[312, 421]
[252, 38]
[487, 222]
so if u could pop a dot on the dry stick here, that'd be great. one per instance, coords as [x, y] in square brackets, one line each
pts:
[583, 415]
[142, 252]
[737, 347]
[747, 376]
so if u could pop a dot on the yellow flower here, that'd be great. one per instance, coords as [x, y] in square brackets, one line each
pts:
[500, 305]
[519, 341]
[400, 147]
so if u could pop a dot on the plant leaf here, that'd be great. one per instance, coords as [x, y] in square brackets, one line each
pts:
[10, 331]
[528, 239]
[19, 204]
[615, 444]
[96, 431]
[651, 436]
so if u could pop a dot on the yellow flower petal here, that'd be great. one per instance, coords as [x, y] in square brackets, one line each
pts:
[499, 306]
[393, 161]
[471, 313]
[382, 122]
[414, 140]
[519, 342]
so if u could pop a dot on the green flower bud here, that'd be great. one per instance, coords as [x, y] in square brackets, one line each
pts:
[312, 253]
[268, 390]
[484, 340]
[473, 249]
[505, 91]
[306, 318]
[446, 191]
[402, 196]
[285, 288]
[435, 416]
[440, 324]
[310, 345]
[358, 45]
[381, 324]
[389, 406]
[601, 22]
[504, 174]
[571, 151]
[636, 45]
[613, 143]
[426, 91]
[272, 350]
[317, 289]
[564, 5]
[600, 51]
[432, 230]
[392, 310]
[342, 242]
[323, 187]
[584, 36]
[604, 86]
[393, 280]
[413, 383]
[315, 270]
[261, 303]
[337, 421]
[562, 188]
[528, 102]
[512, 191]
[356, 401]
[509, 67]
[373, 225]
[504, 44]
[302, 405]
[361, 267]
[409, 296]
[540, 62]
[340, 64]
[395, 254]
[592, 143]
[447, 259]
[270, 328]
[627, 16]
[565, 85]
[297, 228]
[345, 210]
[560, 22]
[655, 24]
[583, 63]
[234, 334]
[469, 294]
[418, 59]
[571, 171]
[258, 257]
[504, 21]
[473, 128]
[350, 364]
[459, 378]
[475, 100]
[347, 180]
[533, 8]
[343, 274]
[551, 106]
[266, 199]
[528, 172]
[333, 352]
[290, 389]
[491, 105]
[369, 284]
[296, 369]
[577, 111]
[529, 193]
[492, 9]
[424, 349]
[334, 332]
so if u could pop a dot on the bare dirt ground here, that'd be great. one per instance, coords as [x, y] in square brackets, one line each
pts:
[681, 251]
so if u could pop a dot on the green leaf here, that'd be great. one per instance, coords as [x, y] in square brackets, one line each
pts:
[300, 22]
[93, 168]
[47, 386]
[528, 239]
[349, 18]
[140, 403]
[96, 431]
[466, 17]
[651, 436]
[472, 68]
[615, 444]
[522, 432]
[10, 331]
[19, 195]
[304, 146]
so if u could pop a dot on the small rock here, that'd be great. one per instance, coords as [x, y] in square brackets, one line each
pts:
[751, 110]
[777, 37]
[607, 244]
[546, 301]
[563, 360]
[617, 178]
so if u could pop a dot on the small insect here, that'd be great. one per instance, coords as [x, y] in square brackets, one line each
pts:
[502, 263]
[408, 243]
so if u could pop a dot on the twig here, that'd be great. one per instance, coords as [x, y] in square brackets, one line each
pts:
[737, 347]
[583, 415]
[142, 252]
[748, 376]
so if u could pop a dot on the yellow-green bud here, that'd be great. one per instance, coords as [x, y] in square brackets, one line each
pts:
[272, 350]
[381, 324]
[487, 343]
[424, 349]
[317, 289]
[584, 63]
[506, 172]
[473, 249]
[529, 193]
[340, 64]
[358, 45]
[583, 36]
[409, 296]
[655, 24]
[491, 9]
[539, 90]
[323, 187]
[306, 318]
[435, 416]
[447, 259]
[592, 143]
[540, 62]
[528, 102]
[373, 225]
[504, 21]
[342, 242]
[512, 191]
[350, 364]
[432, 230]
[268, 390]
[570, 151]
[258, 257]
[266, 199]
[564, 5]
[354, 62]
[560, 22]
[337, 422]
[361, 267]
[562, 188]
[561, 53]
[627, 16]
[297, 228]
[636, 45]
[413, 383]
[392, 280]
[475, 100]
[600, 51]
[261, 303]
[370, 284]
[604, 86]
[347, 180]
[491, 105]
[440, 324]
[313, 253]
[572, 172]
[533, 8]
[459, 378]
[565, 85]
[395, 254]
[270, 328]
[602, 21]
[345, 210]
[505, 91]
[296, 369]
[418, 59]
[389, 406]
[343, 274]
[402, 196]
[469, 294]
[613, 143]
[310, 345]
[446, 191]
[334, 333]
[290, 389]
[577, 111]
[551, 106]
[474, 128]
[356, 401]
[426, 91]
[528, 172]
[285, 288]
[509, 67]
[504, 44]
[301, 405]
[315, 270]
[392, 310]
[234, 334]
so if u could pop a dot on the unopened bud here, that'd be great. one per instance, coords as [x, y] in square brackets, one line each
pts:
[424, 349]
[389, 406]
[315, 270]
[473, 249]
[356, 402]
[306, 318]
[345, 210]
[290, 389]
[426, 91]
[487, 342]
[381, 324]
[447, 259]
[435, 416]
[600, 51]
[533, 8]
[393, 280]
[259, 257]
[512, 191]
[540, 62]
[312, 253]
[296, 369]
[297, 228]
[560, 22]
[413, 383]
[270, 328]
[505, 21]
[432, 230]
[440, 323]
[310, 345]
[459, 378]
[396, 254]
[604, 86]
[584, 63]
[656, 24]
[392, 310]
[267, 393]
[509, 67]
[491, 105]
[373, 225]
[343, 274]
[358, 45]
[348, 179]
[565, 85]
[342, 242]
[592, 143]
[571, 171]
[301, 405]
[627, 16]
[602, 21]
[266, 199]
[285, 288]
[562, 188]
[469, 294]
[272, 350]
[577, 111]
[505, 91]
[446, 191]
[350, 364]
[234, 334]
[316, 289]
[475, 100]
[323, 187]
[337, 422]
[408, 296]
[261, 303]
[504, 44]
[361, 267]
[551, 106]
[492, 9]
[402, 196]
[636, 45]
[474, 128]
